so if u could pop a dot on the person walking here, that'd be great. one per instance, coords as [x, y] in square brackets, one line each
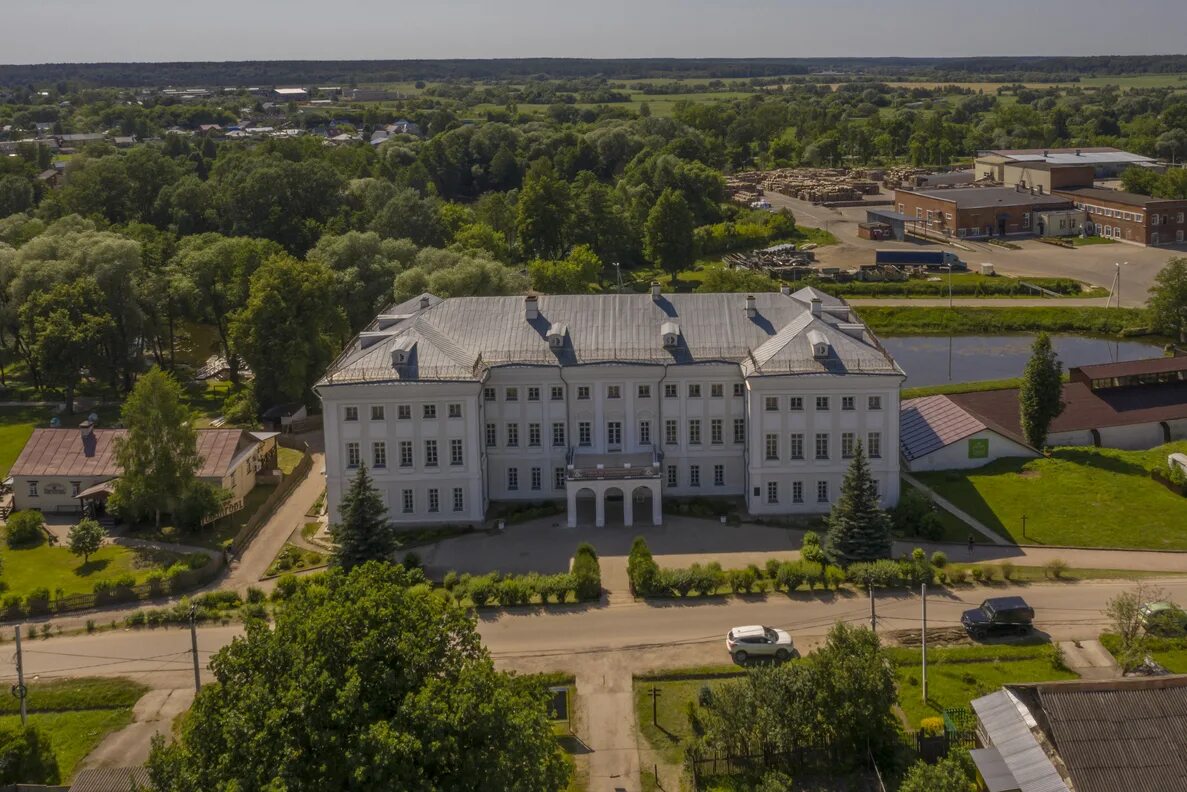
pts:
[972, 545]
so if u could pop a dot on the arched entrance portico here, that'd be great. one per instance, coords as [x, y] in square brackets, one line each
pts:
[642, 494]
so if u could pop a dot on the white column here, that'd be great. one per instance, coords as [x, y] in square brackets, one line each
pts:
[600, 507]
[628, 508]
[657, 505]
[571, 492]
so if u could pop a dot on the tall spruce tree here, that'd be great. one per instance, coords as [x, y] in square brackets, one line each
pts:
[858, 528]
[363, 533]
[1040, 397]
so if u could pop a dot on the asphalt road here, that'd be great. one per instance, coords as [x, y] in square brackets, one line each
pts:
[668, 634]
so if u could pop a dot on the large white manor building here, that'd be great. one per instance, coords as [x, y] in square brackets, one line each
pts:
[611, 402]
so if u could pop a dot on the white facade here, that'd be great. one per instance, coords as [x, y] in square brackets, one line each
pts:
[634, 428]
[960, 455]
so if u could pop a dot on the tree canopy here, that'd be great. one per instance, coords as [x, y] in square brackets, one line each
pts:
[1168, 299]
[1041, 395]
[858, 528]
[362, 531]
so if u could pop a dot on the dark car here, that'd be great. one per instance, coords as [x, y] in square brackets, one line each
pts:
[999, 616]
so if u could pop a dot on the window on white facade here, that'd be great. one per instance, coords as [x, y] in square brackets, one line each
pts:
[739, 430]
[75, 486]
[584, 433]
[511, 394]
[848, 440]
[671, 431]
[822, 445]
[670, 391]
[797, 492]
[715, 432]
[739, 389]
[512, 435]
[405, 453]
[455, 410]
[822, 403]
[795, 403]
[434, 500]
[459, 499]
[874, 403]
[719, 475]
[644, 432]
[379, 454]
[694, 475]
[614, 433]
[557, 393]
[558, 435]
[492, 435]
[534, 435]
[403, 412]
[848, 403]
[772, 492]
[797, 445]
[537, 478]
[583, 392]
[822, 492]
[430, 453]
[772, 446]
[33, 484]
[771, 404]
[643, 392]
[350, 413]
[408, 504]
[430, 411]
[534, 393]
[512, 478]
[874, 445]
[672, 473]
[376, 412]
[488, 394]
[558, 478]
[352, 457]
[717, 390]
[694, 391]
[456, 452]
[694, 431]
[613, 391]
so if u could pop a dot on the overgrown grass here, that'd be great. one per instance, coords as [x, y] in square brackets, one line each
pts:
[73, 735]
[965, 284]
[57, 695]
[1092, 497]
[55, 568]
[1170, 653]
[215, 535]
[16, 426]
[287, 459]
[940, 320]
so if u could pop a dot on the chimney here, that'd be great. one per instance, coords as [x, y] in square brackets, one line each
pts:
[531, 307]
[85, 429]
[816, 306]
[785, 290]
[751, 311]
[424, 302]
[655, 290]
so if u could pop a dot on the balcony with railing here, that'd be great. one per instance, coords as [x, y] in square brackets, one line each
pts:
[587, 466]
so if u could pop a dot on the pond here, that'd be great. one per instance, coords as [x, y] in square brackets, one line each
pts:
[937, 360]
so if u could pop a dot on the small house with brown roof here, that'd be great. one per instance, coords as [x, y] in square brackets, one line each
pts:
[936, 433]
[59, 467]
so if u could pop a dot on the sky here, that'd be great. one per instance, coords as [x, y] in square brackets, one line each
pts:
[43, 31]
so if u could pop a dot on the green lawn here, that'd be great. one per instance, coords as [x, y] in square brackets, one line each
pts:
[1091, 497]
[76, 714]
[16, 425]
[1168, 652]
[57, 568]
[957, 675]
[1092, 240]
[287, 459]
[671, 730]
[940, 320]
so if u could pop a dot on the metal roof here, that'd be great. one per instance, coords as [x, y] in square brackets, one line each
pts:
[460, 338]
[1130, 368]
[929, 423]
[65, 452]
[993, 770]
[1003, 719]
[1095, 155]
[989, 197]
[1113, 196]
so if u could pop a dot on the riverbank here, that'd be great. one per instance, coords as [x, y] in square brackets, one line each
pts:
[936, 320]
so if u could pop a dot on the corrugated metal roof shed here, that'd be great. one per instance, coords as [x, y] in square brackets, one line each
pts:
[1004, 723]
[929, 423]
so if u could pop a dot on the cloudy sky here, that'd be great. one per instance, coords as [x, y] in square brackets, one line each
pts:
[40, 31]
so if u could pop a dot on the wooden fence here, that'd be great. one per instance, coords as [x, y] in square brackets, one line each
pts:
[269, 506]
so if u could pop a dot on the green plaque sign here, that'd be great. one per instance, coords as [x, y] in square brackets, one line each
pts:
[979, 448]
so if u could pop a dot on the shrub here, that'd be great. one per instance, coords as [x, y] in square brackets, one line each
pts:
[932, 727]
[156, 582]
[939, 559]
[1056, 657]
[790, 575]
[587, 574]
[513, 590]
[834, 576]
[37, 601]
[482, 589]
[988, 573]
[1056, 568]
[14, 606]
[915, 515]
[555, 586]
[1170, 623]
[642, 571]
[1007, 568]
[256, 595]
[705, 696]
[882, 573]
[27, 756]
[90, 625]
[412, 561]
[218, 600]
[810, 549]
[959, 575]
[706, 580]
[286, 587]
[978, 573]
[772, 568]
[747, 578]
[26, 528]
[449, 581]
[681, 581]
[253, 610]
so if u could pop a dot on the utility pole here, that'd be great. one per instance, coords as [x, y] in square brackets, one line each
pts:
[655, 694]
[194, 646]
[20, 692]
[924, 642]
[873, 611]
[1024, 526]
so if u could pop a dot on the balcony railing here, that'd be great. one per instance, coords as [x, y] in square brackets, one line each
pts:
[583, 466]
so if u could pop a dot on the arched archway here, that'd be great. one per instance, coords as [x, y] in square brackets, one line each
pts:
[615, 511]
[586, 506]
[643, 505]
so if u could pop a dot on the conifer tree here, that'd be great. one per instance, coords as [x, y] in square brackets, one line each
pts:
[858, 528]
[1040, 397]
[363, 533]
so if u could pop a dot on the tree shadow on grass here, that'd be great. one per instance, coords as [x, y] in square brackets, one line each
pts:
[92, 567]
[1090, 458]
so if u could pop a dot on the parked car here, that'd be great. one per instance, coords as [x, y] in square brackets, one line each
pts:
[999, 616]
[1165, 619]
[758, 641]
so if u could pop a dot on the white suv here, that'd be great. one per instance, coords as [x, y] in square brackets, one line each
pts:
[758, 641]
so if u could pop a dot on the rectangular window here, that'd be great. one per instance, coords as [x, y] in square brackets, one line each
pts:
[822, 492]
[848, 440]
[671, 432]
[533, 393]
[408, 504]
[456, 452]
[739, 388]
[403, 412]
[583, 392]
[534, 435]
[797, 492]
[874, 445]
[613, 391]
[379, 454]
[488, 394]
[558, 478]
[430, 411]
[874, 403]
[350, 414]
[670, 390]
[376, 412]
[434, 500]
[719, 475]
[822, 446]
[795, 403]
[557, 393]
[772, 447]
[537, 478]
[715, 432]
[848, 403]
[512, 479]
[822, 403]
[405, 453]
[352, 455]
[694, 431]
[459, 499]
[33, 484]
[672, 472]
[455, 410]
[772, 492]
[797, 446]
[694, 391]
[614, 434]
[512, 435]
[584, 433]
[511, 394]
[644, 432]
[492, 435]
[75, 486]
[643, 392]
[772, 403]
[558, 435]
[694, 475]
[430, 453]
[739, 430]
[717, 390]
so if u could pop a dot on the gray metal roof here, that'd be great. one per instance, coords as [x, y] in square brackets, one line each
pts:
[994, 770]
[1095, 155]
[461, 337]
[989, 197]
[1003, 721]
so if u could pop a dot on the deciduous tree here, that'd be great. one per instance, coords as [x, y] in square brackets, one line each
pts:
[26, 756]
[1168, 299]
[668, 234]
[1041, 394]
[85, 538]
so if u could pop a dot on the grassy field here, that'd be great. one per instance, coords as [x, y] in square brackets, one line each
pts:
[908, 320]
[1092, 497]
[1170, 653]
[76, 714]
[961, 387]
[957, 675]
[287, 459]
[1092, 240]
[965, 284]
[56, 568]
[16, 425]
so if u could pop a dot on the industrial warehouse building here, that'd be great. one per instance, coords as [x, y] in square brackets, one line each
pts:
[979, 211]
[610, 403]
[1106, 162]
[1129, 217]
